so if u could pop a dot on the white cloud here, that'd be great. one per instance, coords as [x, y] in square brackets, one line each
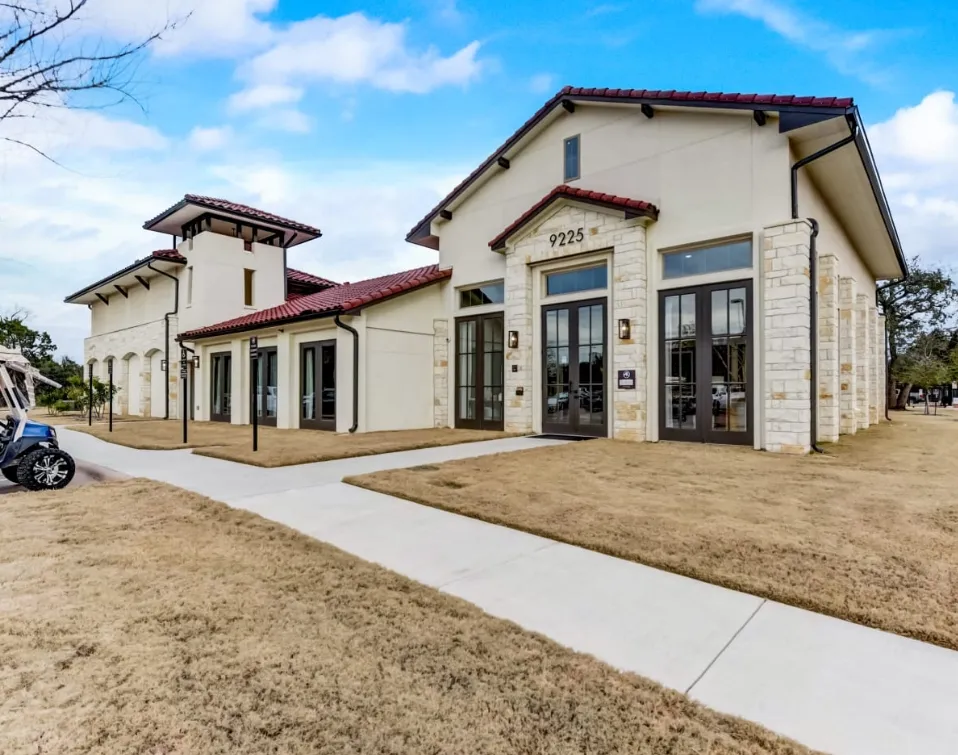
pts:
[917, 153]
[205, 28]
[541, 83]
[845, 50]
[290, 120]
[205, 139]
[355, 49]
[262, 96]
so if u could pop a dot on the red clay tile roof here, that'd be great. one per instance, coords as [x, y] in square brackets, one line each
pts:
[298, 276]
[170, 255]
[236, 209]
[639, 96]
[341, 298]
[633, 207]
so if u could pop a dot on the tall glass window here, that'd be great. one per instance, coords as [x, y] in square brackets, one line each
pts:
[570, 168]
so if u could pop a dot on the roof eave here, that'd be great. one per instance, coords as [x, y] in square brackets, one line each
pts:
[417, 235]
[141, 263]
[259, 325]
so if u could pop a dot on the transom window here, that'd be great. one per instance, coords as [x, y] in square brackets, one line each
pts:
[731, 255]
[490, 293]
[580, 279]
[570, 152]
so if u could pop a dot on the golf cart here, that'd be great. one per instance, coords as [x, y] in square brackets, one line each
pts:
[30, 454]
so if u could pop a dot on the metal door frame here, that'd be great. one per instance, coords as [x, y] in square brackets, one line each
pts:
[318, 423]
[214, 417]
[573, 428]
[479, 423]
[703, 432]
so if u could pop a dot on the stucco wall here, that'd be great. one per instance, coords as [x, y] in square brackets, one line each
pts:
[712, 175]
[141, 306]
[832, 238]
[218, 289]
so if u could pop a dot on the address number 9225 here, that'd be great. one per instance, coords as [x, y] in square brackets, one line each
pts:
[563, 238]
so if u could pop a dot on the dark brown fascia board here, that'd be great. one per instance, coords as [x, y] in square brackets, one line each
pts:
[421, 233]
[119, 274]
[629, 212]
[150, 224]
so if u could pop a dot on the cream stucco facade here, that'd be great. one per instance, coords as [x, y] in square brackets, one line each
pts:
[714, 176]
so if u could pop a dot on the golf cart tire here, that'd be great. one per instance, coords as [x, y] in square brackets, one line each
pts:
[11, 474]
[25, 469]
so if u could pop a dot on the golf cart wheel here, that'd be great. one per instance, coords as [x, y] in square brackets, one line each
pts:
[11, 474]
[46, 469]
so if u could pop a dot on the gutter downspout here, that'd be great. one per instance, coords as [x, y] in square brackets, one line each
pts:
[355, 333]
[813, 275]
[166, 319]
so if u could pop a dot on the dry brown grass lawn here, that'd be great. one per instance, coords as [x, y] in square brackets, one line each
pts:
[141, 618]
[868, 533]
[278, 448]
[75, 418]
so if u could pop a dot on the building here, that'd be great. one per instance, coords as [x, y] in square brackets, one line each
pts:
[634, 264]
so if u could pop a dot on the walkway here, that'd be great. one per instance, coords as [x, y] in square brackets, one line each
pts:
[830, 684]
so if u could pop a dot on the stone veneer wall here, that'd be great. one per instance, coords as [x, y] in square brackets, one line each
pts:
[140, 340]
[603, 231]
[862, 354]
[440, 372]
[787, 342]
[877, 347]
[829, 391]
[882, 366]
[848, 332]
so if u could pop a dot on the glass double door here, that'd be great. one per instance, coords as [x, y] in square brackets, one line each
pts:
[705, 363]
[573, 369]
[480, 374]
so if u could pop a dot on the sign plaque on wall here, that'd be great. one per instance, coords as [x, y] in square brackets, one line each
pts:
[626, 380]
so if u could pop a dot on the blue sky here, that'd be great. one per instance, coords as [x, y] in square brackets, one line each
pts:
[386, 106]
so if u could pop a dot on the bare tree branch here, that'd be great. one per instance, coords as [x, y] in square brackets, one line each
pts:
[49, 60]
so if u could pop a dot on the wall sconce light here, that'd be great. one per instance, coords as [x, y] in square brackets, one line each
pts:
[513, 339]
[625, 329]
[163, 365]
[196, 361]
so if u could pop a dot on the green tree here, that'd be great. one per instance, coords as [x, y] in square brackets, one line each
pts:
[77, 392]
[922, 303]
[929, 363]
[36, 345]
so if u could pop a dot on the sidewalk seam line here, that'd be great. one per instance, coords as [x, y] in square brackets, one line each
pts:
[726, 646]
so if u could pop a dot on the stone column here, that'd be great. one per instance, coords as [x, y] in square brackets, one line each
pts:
[863, 339]
[121, 378]
[882, 369]
[872, 325]
[518, 317]
[847, 319]
[440, 372]
[787, 337]
[629, 292]
[146, 385]
[878, 367]
[828, 358]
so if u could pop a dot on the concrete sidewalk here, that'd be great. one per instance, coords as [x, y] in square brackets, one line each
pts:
[830, 684]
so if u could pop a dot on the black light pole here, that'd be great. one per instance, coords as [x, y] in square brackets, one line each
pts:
[109, 369]
[90, 406]
[185, 392]
[254, 387]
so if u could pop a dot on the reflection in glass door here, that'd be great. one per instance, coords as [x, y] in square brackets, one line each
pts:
[705, 364]
[221, 380]
[317, 385]
[573, 369]
[480, 375]
[267, 388]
